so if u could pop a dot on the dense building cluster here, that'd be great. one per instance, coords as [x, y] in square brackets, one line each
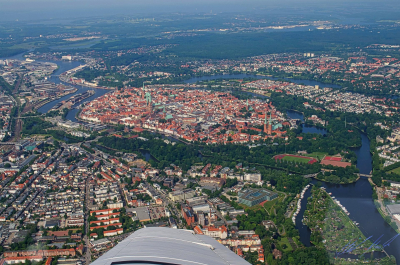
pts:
[194, 115]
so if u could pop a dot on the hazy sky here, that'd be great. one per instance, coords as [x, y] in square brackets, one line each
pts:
[45, 9]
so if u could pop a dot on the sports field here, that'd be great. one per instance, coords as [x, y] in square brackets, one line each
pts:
[296, 159]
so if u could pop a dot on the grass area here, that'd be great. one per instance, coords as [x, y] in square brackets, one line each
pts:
[395, 171]
[254, 208]
[268, 205]
[331, 227]
[349, 230]
[75, 230]
[318, 155]
[285, 241]
[385, 261]
[296, 159]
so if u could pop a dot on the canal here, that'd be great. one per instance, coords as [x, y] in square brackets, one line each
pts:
[357, 198]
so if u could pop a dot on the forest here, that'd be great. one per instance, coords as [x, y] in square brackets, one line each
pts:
[216, 45]
[186, 155]
[284, 230]
[36, 125]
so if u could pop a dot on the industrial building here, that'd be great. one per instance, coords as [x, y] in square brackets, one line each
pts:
[393, 209]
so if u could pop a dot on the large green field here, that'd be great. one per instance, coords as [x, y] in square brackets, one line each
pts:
[395, 171]
[285, 241]
[296, 159]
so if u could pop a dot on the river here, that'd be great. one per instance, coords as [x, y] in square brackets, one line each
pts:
[357, 198]
[63, 67]
[306, 129]
[66, 65]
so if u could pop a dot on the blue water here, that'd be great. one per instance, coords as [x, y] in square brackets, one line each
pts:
[63, 67]
[306, 129]
[364, 157]
[313, 129]
[357, 198]
[295, 115]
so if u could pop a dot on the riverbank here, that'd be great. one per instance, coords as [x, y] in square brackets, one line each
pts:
[382, 261]
[332, 228]
[341, 183]
[386, 216]
[46, 101]
[357, 198]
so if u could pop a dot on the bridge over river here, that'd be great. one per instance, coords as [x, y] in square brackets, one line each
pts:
[358, 174]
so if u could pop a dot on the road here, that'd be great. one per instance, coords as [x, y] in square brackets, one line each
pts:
[18, 123]
[27, 117]
[18, 84]
[219, 214]
[88, 254]
[17, 131]
[166, 201]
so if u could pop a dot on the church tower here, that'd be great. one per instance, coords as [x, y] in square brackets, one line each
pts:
[148, 102]
[270, 124]
[265, 124]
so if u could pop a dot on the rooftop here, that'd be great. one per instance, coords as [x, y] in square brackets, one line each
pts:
[394, 209]
[254, 194]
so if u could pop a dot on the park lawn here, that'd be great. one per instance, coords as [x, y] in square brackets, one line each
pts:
[75, 230]
[395, 171]
[268, 205]
[296, 159]
[285, 240]
[318, 155]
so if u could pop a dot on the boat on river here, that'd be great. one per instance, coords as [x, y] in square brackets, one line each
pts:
[299, 203]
